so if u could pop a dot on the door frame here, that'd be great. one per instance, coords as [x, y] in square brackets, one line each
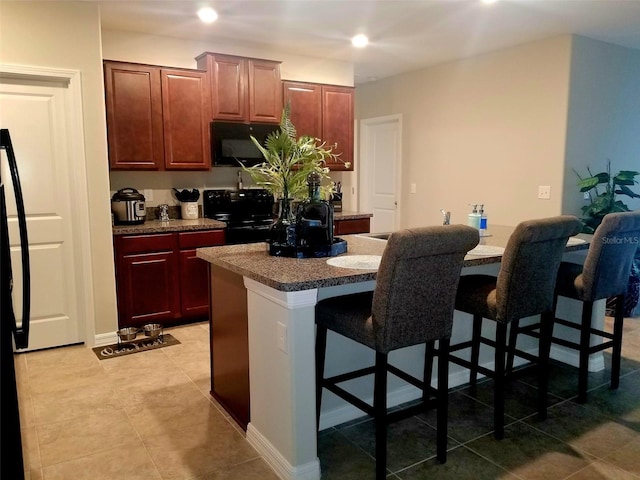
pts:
[79, 196]
[365, 200]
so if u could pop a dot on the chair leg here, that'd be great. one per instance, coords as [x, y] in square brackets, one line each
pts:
[546, 332]
[475, 353]
[428, 367]
[617, 342]
[585, 339]
[321, 348]
[380, 414]
[499, 381]
[442, 399]
[513, 341]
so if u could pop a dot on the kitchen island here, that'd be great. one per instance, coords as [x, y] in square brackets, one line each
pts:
[281, 294]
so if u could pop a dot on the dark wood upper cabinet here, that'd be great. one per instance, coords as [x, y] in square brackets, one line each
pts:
[243, 89]
[306, 107]
[265, 91]
[228, 86]
[157, 118]
[186, 110]
[325, 112]
[337, 124]
[134, 116]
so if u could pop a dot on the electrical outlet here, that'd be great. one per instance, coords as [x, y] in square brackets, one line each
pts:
[585, 195]
[281, 330]
[544, 192]
[413, 188]
[148, 195]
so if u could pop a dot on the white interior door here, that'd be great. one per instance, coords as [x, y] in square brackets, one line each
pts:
[36, 114]
[380, 167]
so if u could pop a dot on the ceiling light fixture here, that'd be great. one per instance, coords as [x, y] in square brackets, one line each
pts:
[207, 15]
[488, 2]
[360, 41]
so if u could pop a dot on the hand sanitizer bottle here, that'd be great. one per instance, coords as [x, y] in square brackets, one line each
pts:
[473, 219]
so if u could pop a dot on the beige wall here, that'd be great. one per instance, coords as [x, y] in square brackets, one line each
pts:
[488, 129]
[604, 115]
[67, 35]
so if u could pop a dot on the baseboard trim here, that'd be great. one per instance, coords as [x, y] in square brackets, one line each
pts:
[102, 339]
[284, 470]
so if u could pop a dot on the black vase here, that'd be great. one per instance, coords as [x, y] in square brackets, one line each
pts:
[282, 233]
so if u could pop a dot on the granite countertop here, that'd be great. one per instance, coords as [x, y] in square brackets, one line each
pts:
[345, 215]
[174, 225]
[293, 274]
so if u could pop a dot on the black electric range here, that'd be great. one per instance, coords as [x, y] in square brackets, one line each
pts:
[248, 213]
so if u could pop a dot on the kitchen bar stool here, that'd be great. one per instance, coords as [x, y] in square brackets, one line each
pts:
[605, 274]
[524, 287]
[412, 304]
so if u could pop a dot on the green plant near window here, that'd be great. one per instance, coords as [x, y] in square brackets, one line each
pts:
[288, 160]
[602, 189]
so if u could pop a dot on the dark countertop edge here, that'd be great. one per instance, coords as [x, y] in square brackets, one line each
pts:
[178, 225]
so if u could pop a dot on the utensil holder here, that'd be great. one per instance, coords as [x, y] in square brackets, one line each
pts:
[189, 210]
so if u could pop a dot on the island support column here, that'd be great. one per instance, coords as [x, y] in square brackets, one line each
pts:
[282, 379]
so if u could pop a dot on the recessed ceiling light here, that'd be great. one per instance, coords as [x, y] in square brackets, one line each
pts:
[360, 41]
[207, 15]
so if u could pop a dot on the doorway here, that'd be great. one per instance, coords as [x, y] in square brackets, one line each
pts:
[380, 163]
[42, 110]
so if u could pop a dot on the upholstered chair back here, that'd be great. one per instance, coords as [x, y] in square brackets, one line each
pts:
[416, 284]
[611, 253]
[527, 277]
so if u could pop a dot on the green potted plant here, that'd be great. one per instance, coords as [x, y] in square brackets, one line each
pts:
[601, 190]
[288, 160]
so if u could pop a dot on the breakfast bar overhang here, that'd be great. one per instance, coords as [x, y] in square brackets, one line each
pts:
[281, 294]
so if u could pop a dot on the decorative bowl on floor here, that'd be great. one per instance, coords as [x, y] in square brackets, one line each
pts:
[152, 330]
[128, 333]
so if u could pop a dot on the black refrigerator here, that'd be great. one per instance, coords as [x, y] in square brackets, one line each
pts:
[11, 457]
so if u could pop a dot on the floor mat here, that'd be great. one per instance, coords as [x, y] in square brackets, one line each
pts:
[134, 346]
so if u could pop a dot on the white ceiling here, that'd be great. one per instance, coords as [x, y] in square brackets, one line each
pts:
[404, 35]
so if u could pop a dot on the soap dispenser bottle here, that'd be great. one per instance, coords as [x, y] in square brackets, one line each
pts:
[483, 222]
[473, 219]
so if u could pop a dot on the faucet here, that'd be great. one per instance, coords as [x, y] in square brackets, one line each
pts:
[446, 217]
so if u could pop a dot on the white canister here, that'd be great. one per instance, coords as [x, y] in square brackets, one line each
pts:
[189, 210]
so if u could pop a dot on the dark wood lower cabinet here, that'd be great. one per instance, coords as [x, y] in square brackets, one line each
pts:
[351, 226]
[195, 292]
[159, 279]
[150, 295]
[230, 343]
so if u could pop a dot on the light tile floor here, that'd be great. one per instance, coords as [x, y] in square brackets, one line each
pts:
[143, 416]
[149, 416]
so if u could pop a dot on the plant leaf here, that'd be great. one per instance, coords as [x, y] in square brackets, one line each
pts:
[624, 190]
[587, 184]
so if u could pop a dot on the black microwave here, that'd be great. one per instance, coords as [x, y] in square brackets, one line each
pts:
[231, 143]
